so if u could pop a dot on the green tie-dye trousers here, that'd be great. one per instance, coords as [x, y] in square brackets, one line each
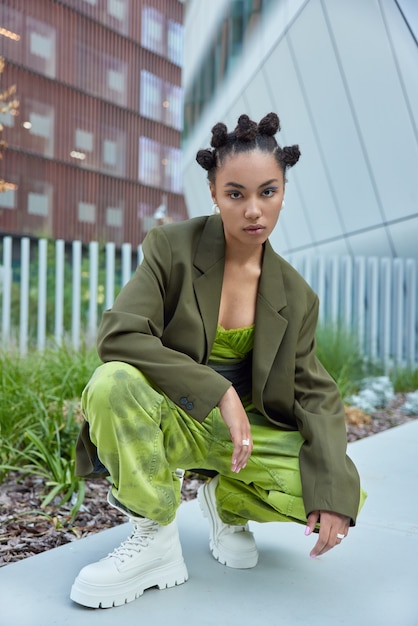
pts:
[142, 437]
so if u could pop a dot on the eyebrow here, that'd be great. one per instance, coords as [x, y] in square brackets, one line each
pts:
[239, 186]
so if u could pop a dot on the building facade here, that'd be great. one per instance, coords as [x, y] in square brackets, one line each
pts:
[94, 153]
[342, 75]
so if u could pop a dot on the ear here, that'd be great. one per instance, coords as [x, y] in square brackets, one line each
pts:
[212, 192]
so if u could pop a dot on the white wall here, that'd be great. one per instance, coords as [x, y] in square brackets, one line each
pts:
[343, 78]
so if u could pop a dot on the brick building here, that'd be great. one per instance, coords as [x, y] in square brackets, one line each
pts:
[95, 149]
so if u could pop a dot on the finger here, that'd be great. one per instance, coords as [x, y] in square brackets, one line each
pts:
[241, 454]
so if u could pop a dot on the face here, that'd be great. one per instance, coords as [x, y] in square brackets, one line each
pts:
[249, 189]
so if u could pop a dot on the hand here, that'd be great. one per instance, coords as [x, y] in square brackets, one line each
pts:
[235, 417]
[332, 524]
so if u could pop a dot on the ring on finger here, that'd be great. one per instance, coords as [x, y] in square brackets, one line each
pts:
[245, 442]
[340, 536]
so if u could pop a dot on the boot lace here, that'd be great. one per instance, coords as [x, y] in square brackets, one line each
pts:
[143, 532]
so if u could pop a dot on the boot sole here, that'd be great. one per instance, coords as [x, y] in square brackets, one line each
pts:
[223, 557]
[96, 597]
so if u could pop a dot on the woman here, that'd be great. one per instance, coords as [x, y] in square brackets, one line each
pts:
[209, 362]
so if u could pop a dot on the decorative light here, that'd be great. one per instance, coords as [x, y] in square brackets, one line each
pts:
[27, 125]
[166, 104]
[77, 155]
[9, 34]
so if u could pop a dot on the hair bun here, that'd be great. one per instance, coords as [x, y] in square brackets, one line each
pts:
[246, 129]
[219, 135]
[206, 159]
[290, 155]
[269, 125]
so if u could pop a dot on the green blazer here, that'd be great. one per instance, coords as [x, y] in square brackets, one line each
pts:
[164, 322]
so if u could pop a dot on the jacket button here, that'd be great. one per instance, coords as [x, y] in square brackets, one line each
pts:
[189, 406]
[183, 401]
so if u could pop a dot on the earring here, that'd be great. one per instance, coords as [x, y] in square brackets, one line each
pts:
[215, 209]
[283, 205]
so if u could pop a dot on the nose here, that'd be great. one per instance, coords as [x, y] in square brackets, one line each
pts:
[252, 209]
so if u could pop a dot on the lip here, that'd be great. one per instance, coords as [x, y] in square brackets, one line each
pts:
[254, 229]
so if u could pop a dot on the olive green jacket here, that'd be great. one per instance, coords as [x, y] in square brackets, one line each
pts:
[164, 322]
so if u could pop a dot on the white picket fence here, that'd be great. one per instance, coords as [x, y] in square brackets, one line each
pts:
[375, 297]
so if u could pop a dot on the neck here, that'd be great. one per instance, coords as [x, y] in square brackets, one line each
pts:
[244, 255]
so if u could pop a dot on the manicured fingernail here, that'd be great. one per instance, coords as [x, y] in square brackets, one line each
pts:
[307, 531]
[313, 556]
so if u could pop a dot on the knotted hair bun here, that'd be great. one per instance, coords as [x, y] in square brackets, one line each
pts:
[219, 135]
[269, 125]
[206, 159]
[290, 155]
[246, 130]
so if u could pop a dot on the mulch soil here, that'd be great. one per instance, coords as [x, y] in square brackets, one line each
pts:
[26, 529]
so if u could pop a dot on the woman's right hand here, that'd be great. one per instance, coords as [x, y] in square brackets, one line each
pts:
[235, 417]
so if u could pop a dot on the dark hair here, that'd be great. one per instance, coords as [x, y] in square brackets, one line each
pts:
[247, 136]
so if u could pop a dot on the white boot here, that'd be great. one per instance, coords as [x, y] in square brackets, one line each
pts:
[150, 557]
[233, 546]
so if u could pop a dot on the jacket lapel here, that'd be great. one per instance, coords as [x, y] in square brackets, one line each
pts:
[210, 261]
[270, 326]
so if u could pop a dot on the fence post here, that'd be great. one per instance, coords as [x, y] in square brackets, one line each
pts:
[7, 291]
[59, 291]
[110, 275]
[42, 292]
[24, 294]
[93, 290]
[76, 304]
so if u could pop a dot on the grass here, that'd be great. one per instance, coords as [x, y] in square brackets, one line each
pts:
[40, 413]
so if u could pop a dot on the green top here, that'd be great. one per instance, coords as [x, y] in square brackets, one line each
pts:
[232, 345]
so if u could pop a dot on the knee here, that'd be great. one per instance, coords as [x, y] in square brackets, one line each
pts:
[108, 381]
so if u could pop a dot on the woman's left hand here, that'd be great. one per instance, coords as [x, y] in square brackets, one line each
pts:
[333, 529]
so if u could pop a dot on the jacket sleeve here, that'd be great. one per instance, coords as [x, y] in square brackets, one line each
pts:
[330, 481]
[132, 332]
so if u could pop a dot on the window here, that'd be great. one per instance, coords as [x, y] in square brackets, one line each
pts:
[153, 30]
[40, 53]
[7, 119]
[86, 212]
[38, 122]
[173, 106]
[172, 169]
[38, 204]
[83, 140]
[149, 162]
[113, 152]
[151, 97]
[114, 217]
[175, 38]
[8, 196]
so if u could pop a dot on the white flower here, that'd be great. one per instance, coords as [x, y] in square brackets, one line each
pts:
[410, 406]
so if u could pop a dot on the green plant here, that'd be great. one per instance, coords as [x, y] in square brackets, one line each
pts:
[339, 351]
[404, 378]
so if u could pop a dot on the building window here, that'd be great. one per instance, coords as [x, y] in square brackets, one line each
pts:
[153, 30]
[39, 123]
[172, 169]
[38, 204]
[173, 106]
[113, 151]
[114, 217]
[151, 97]
[149, 162]
[87, 212]
[41, 53]
[175, 39]
[7, 119]
[8, 196]
[83, 140]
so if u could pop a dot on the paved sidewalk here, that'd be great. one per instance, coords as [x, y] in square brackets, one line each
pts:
[371, 579]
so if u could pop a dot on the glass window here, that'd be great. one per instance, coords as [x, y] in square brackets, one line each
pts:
[172, 169]
[173, 106]
[11, 30]
[38, 204]
[151, 96]
[149, 162]
[38, 121]
[113, 152]
[175, 40]
[7, 119]
[114, 217]
[86, 212]
[152, 30]
[109, 152]
[8, 196]
[83, 140]
[40, 53]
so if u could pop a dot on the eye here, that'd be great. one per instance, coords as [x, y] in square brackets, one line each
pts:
[268, 193]
[234, 195]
